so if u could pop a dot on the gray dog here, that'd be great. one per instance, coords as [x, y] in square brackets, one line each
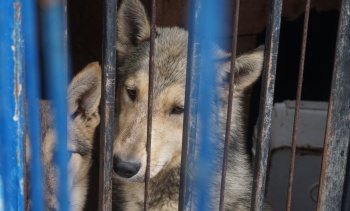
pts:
[169, 90]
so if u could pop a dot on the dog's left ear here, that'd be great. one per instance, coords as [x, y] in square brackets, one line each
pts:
[84, 91]
[133, 26]
[248, 68]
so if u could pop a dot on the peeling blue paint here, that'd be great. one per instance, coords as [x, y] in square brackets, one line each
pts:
[11, 107]
[32, 87]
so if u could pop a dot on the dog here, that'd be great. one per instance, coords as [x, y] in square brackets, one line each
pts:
[84, 94]
[129, 150]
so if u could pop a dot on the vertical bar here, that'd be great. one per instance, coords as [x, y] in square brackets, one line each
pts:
[198, 147]
[346, 193]
[211, 22]
[107, 103]
[150, 102]
[205, 152]
[266, 103]
[32, 87]
[11, 106]
[54, 64]
[337, 134]
[191, 106]
[229, 106]
[297, 105]
[66, 54]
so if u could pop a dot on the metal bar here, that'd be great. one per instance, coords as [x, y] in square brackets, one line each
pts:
[32, 87]
[297, 105]
[65, 38]
[337, 135]
[230, 98]
[211, 19]
[346, 193]
[266, 103]
[191, 106]
[150, 102]
[54, 65]
[198, 147]
[11, 107]
[107, 103]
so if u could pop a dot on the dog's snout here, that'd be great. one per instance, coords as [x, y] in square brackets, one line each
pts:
[125, 169]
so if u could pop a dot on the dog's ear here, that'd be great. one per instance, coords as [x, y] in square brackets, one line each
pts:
[248, 68]
[84, 91]
[133, 26]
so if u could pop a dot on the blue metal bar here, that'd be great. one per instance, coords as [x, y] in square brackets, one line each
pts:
[191, 106]
[337, 136]
[200, 93]
[11, 107]
[54, 64]
[107, 103]
[266, 103]
[211, 21]
[32, 87]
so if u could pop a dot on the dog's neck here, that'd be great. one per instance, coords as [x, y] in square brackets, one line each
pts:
[170, 191]
[163, 192]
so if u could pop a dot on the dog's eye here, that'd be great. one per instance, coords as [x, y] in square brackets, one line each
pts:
[177, 110]
[56, 157]
[131, 94]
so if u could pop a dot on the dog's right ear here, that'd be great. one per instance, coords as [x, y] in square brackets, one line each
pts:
[84, 91]
[133, 26]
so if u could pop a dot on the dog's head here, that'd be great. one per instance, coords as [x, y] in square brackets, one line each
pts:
[170, 61]
[83, 100]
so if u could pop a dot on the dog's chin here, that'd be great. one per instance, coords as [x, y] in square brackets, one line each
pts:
[137, 178]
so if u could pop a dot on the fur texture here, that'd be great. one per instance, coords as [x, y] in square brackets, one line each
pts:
[83, 98]
[169, 90]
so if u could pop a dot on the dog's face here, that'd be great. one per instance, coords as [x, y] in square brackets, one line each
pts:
[170, 62]
[168, 106]
[83, 98]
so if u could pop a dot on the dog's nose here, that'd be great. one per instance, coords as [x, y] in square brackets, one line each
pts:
[125, 168]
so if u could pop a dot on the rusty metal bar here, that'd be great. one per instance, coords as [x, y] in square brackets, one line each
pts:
[266, 104]
[150, 102]
[11, 107]
[230, 98]
[32, 87]
[107, 103]
[346, 193]
[297, 105]
[337, 135]
[191, 106]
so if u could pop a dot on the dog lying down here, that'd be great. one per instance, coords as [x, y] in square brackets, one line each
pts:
[84, 94]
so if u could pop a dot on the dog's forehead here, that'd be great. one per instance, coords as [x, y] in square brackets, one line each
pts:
[170, 60]
[170, 57]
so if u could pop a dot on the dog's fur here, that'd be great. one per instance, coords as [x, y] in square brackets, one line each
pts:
[83, 98]
[169, 90]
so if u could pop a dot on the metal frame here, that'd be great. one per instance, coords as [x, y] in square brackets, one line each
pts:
[107, 103]
[18, 19]
[11, 106]
[266, 103]
[337, 136]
